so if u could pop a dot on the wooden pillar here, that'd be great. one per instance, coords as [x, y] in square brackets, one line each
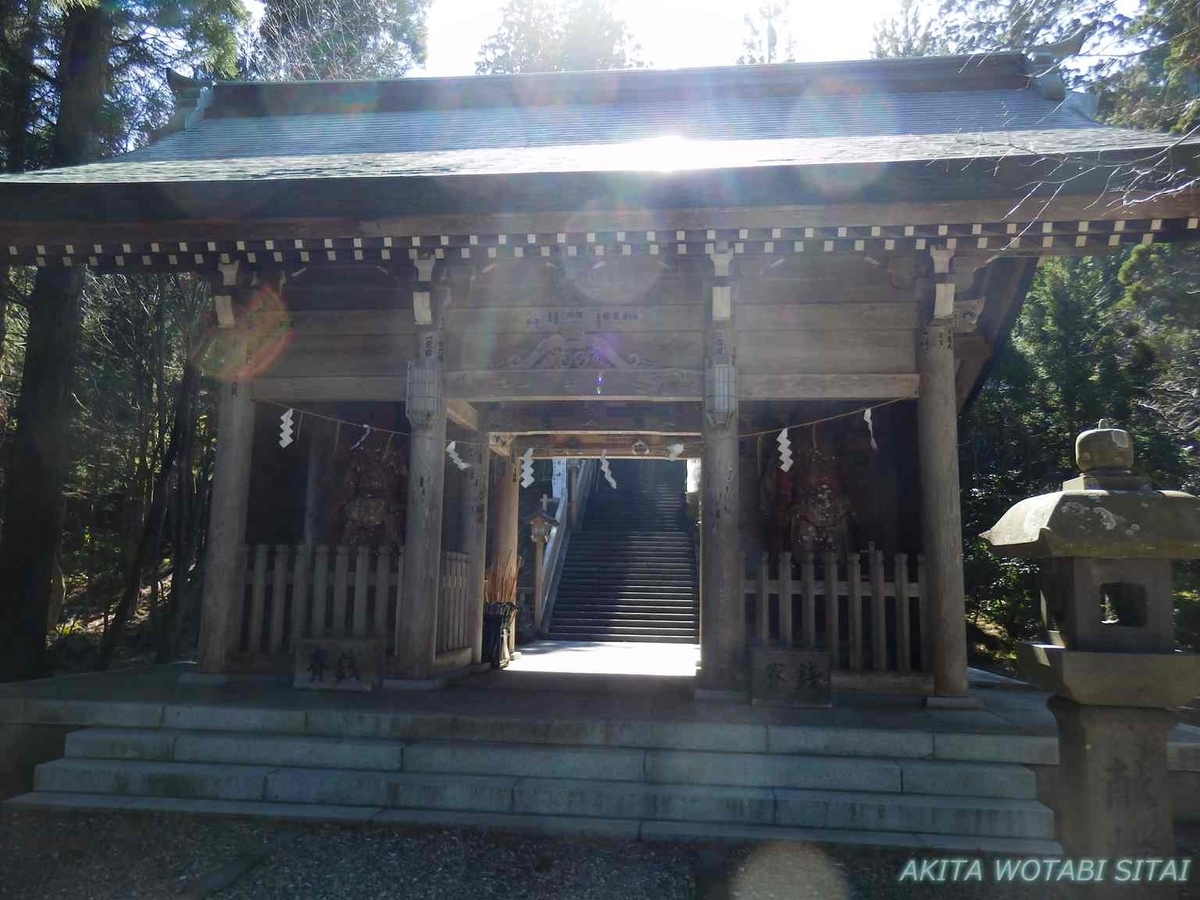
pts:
[224, 578]
[416, 625]
[539, 587]
[504, 511]
[474, 537]
[722, 614]
[937, 424]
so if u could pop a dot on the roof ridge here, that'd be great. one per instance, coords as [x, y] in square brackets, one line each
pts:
[1008, 70]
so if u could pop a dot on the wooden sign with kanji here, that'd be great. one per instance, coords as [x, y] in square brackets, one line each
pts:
[786, 677]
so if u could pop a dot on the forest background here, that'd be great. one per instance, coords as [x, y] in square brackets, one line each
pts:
[106, 413]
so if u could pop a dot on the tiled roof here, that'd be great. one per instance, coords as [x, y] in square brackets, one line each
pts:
[674, 130]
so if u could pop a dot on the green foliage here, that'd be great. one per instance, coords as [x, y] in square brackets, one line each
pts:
[558, 36]
[764, 28]
[908, 33]
[1116, 336]
[322, 39]
[1076, 353]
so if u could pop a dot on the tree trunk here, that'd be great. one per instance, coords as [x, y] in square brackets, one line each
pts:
[182, 539]
[153, 522]
[40, 458]
[33, 508]
[17, 94]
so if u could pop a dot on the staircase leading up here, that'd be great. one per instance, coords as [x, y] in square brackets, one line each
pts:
[630, 572]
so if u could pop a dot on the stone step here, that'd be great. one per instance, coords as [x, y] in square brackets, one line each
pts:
[624, 614]
[639, 605]
[641, 600]
[667, 594]
[350, 723]
[678, 590]
[615, 629]
[569, 634]
[600, 570]
[640, 555]
[619, 533]
[870, 811]
[667, 561]
[564, 761]
[628, 829]
[670, 620]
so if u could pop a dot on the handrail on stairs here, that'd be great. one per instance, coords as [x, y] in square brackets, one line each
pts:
[569, 515]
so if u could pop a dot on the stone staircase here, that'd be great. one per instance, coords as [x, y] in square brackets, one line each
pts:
[630, 572]
[630, 779]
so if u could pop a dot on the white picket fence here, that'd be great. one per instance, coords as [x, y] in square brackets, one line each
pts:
[877, 611]
[341, 591]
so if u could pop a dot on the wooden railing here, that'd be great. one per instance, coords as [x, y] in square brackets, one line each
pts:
[569, 513]
[341, 591]
[454, 618]
[876, 612]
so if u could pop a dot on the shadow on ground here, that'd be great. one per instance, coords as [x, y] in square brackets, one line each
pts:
[101, 855]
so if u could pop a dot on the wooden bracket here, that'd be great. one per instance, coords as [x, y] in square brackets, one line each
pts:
[223, 298]
[941, 259]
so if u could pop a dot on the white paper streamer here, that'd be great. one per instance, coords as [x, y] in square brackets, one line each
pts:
[285, 428]
[527, 468]
[785, 450]
[870, 428]
[366, 434]
[606, 471]
[674, 450]
[462, 464]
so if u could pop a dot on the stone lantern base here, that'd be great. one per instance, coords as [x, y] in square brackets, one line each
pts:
[1113, 761]
[1159, 680]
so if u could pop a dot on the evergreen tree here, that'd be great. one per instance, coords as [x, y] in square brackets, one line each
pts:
[1114, 336]
[106, 88]
[768, 35]
[908, 33]
[321, 39]
[558, 36]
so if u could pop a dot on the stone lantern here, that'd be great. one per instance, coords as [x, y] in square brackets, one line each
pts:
[1105, 543]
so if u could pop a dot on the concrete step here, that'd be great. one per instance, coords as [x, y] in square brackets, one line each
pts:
[623, 614]
[648, 574]
[628, 829]
[620, 534]
[641, 585]
[870, 811]
[561, 761]
[569, 634]
[666, 601]
[632, 619]
[342, 721]
[616, 628]
[633, 601]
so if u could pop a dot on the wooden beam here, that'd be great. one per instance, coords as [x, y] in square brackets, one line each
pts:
[350, 322]
[821, 215]
[493, 386]
[764, 386]
[463, 414]
[839, 316]
[972, 346]
[295, 389]
[648, 418]
[550, 314]
[614, 446]
[828, 352]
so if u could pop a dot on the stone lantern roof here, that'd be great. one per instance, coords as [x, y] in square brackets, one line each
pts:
[1106, 512]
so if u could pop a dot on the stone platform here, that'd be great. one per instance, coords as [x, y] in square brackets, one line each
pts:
[615, 755]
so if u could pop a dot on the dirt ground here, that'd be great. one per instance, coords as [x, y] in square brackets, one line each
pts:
[101, 855]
